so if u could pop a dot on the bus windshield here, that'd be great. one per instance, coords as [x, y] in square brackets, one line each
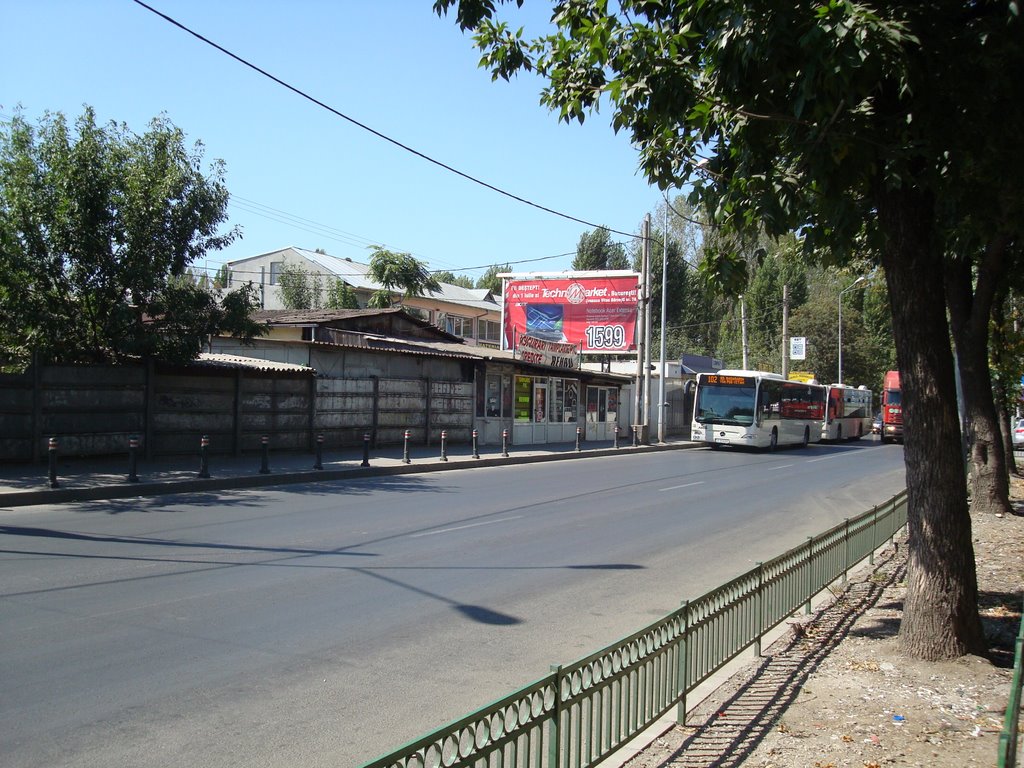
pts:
[725, 405]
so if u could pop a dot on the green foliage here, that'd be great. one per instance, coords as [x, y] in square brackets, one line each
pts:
[596, 251]
[98, 227]
[341, 296]
[299, 289]
[490, 281]
[222, 279]
[398, 273]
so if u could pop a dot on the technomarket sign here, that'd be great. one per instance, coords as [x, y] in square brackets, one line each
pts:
[598, 314]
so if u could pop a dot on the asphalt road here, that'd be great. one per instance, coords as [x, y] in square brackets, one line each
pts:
[327, 624]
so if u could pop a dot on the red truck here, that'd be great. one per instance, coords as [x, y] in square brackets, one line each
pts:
[892, 408]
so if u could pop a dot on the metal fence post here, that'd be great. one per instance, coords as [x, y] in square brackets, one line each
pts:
[265, 459]
[133, 459]
[405, 449]
[444, 445]
[476, 453]
[366, 450]
[504, 443]
[615, 437]
[759, 597]
[874, 533]
[578, 433]
[204, 459]
[684, 661]
[810, 574]
[846, 557]
[554, 741]
[51, 450]
[319, 463]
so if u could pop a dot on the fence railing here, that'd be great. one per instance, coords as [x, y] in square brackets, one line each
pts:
[582, 712]
[1011, 723]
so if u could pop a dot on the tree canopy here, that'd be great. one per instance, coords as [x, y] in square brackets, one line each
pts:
[596, 250]
[98, 226]
[398, 273]
[490, 281]
[865, 129]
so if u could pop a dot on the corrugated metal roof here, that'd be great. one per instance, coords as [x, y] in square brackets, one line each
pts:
[358, 276]
[219, 360]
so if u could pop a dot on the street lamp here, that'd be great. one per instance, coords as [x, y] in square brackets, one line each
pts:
[850, 287]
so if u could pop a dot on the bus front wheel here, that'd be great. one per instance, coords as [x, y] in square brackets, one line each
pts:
[807, 436]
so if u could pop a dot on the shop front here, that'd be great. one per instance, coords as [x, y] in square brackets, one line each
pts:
[602, 412]
[538, 406]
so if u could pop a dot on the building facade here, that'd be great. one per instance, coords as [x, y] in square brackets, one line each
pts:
[471, 314]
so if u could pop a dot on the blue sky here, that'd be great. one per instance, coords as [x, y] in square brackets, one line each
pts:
[302, 176]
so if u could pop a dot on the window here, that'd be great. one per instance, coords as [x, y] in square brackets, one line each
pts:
[523, 398]
[493, 396]
[276, 267]
[489, 330]
[460, 326]
[565, 394]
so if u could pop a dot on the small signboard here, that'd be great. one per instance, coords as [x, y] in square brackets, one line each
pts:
[805, 376]
[798, 348]
[557, 354]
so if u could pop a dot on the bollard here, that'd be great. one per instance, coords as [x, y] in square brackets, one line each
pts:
[444, 445]
[405, 450]
[133, 459]
[504, 443]
[52, 459]
[636, 435]
[366, 450]
[476, 453]
[319, 463]
[265, 460]
[615, 437]
[204, 462]
[578, 431]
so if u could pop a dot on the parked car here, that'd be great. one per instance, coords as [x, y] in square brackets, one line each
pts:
[1018, 434]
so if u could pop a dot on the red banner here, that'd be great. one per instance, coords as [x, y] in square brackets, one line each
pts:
[598, 314]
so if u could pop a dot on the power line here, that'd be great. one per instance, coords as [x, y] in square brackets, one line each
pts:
[378, 134]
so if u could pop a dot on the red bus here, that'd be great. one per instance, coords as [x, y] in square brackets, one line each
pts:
[848, 413]
[892, 408]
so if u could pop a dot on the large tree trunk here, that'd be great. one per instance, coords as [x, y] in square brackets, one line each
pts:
[970, 307]
[999, 344]
[940, 615]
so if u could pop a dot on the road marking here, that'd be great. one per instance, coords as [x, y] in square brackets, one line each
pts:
[783, 466]
[463, 527]
[677, 487]
[824, 458]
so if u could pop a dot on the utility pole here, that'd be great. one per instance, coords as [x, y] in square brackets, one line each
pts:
[743, 331]
[662, 405]
[638, 386]
[785, 331]
[646, 435]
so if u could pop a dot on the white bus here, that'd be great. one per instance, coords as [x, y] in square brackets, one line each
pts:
[848, 414]
[756, 409]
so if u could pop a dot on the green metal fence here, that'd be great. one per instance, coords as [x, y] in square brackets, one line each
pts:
[581, 713]
[1011, 724]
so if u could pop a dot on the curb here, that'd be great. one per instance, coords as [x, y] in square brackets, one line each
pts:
[202, 485]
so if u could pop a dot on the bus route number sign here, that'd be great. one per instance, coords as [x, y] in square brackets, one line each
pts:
[733, 380]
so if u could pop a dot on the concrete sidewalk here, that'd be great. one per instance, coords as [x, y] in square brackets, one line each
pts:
[84, 479]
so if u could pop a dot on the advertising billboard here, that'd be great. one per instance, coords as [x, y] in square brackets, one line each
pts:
[597, 314]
